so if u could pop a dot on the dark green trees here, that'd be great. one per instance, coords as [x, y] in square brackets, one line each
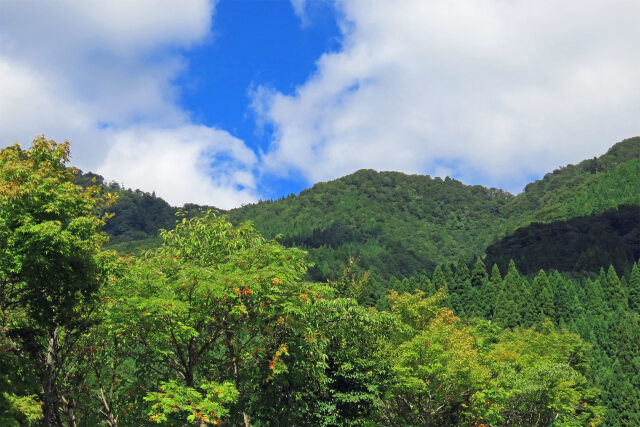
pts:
[634, 289]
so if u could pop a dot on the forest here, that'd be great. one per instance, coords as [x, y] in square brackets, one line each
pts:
[375, 299]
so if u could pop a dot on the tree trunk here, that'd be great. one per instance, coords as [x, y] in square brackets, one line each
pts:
[236, 375]
[110, 418]
[69, 408]
[50, 413]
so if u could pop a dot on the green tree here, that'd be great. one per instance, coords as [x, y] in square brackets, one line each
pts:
[437, 370]
[217, 305]
[460, 291]
[616, 298]
[438, 279]
[542, 298]
[50, 261]
[508, 305]
[634, 289]
[358, 373]
[480, 305]
[539, 379]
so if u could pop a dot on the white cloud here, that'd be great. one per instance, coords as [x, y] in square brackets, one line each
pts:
[299, 7]
[208, 164]
[493, 90]
[100, 73]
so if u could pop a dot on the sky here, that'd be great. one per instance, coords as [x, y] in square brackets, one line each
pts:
[232, 101]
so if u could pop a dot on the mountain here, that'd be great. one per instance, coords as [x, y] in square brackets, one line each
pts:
[537, 349]
[591, 187]
[401, 225]
[580, 244]
[137, 216]
[396, 224]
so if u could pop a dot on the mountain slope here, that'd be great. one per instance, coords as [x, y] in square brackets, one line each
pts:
[580, 244]
[400, 225]
[137, 216]
[590, 187]
[397, 224]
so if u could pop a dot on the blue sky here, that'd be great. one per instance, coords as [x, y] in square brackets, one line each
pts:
[228, 102]
[255, 43]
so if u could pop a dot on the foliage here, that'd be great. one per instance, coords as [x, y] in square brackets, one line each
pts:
[137, 216]
[50, 263]
[401, 225]
[581, 244]
[204, 406]
[28, 407]
[220, 325]
[395, 224]
[437, 371]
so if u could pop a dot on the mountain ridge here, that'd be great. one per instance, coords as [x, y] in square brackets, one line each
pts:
[400, 224]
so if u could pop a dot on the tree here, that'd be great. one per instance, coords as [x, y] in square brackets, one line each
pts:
[50, 261]
[460, 291]
[492, 290]
[508, 302]
[480, 305]
[539, 378]
[438, 279]
[613, 291]
[634, 289]
[219, 307]
[542, 298]
[437, 370]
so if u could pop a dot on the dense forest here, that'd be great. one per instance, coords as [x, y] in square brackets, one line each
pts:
[375, 299]
[401, 225]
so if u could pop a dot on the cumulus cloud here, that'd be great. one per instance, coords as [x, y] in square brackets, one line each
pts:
[215, 165]
[100, 74]
[492, 91]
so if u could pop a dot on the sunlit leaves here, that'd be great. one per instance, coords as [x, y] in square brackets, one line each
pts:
[209, 403]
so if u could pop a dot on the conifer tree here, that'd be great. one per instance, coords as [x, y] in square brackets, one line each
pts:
[634, 289]
[542, 298]
[602, 277]
[594, 300]
[448, 274]
[492, 290]
[479, 274]
[480, 304]
[438, 279]
[507, 311]
[496, 277]
[460, 290]
[613, 291]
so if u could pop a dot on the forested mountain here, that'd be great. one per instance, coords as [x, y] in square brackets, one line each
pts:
[137, 216]
[218, 325]
[590, 187]
[400, 225]
[580, 244]
[603, 310]
[396, 224]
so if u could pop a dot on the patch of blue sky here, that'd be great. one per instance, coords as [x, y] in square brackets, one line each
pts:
[254, 43]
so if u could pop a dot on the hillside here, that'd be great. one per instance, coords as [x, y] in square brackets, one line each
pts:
[220, 326]
[397, 224]
[580, 244]
[590, 187]
[534, 340]
[137, 215]
[401, 225]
